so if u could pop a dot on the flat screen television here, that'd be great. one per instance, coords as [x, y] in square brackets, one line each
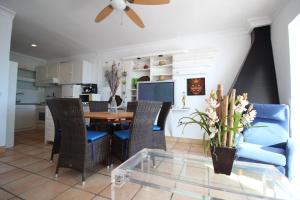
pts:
[156, 91]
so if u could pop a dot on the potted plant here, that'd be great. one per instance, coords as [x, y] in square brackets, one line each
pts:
[223, 119]
[113, 79]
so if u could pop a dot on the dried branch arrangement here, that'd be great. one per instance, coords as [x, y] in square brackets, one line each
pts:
[113, 78]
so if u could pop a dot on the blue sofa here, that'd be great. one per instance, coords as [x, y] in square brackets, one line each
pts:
[270, 144]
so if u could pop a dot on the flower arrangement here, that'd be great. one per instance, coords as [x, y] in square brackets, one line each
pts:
[223, 118]
[113, 78]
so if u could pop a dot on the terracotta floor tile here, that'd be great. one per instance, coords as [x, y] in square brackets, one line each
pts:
[75, 194]
[36, 151]
[147, 193]
[24, 161]
[45, 155]
[11, 158]
[50, 172]
[5, 168]
[12, 175]
[126, 192]
[106, 192]
[24, 184]
[5, 195]
[95, 183]
[99, 198]
[15, 198]
[70, 177]
[23, 148]
[45, 191]
[38, 166]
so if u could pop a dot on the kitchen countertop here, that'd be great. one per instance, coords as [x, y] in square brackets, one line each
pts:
[34, 104]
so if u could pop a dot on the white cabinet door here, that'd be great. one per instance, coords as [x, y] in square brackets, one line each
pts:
[25, 117]
[41, 73]
[77, 72]
[52, 71]
[66, 73]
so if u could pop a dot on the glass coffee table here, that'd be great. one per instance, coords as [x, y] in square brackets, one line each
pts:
[155, 174]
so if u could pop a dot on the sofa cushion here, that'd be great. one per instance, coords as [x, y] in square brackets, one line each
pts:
[268, 134]
[95, 135]
[271, 155]
[122, 134]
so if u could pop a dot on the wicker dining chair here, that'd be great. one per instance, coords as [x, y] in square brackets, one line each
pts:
[80, 149]
[125, 143]
[57, 129]
[98, 106]
[158, 131]
[131, 107]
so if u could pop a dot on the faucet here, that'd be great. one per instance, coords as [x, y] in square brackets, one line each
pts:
[18, 93]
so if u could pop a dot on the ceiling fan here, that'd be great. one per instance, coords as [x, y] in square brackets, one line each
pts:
[122, 5]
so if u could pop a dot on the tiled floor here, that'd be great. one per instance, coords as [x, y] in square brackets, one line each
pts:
[26, 173]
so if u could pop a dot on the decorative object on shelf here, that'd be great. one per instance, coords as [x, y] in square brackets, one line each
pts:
[195, 86]
[143, 78]
[146, 66]
[223, 120]
[122, 5]
[113, 79]
[164, 78]
[183, 100]
[162, 62]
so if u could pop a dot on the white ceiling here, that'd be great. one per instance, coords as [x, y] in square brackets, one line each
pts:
[66, 27]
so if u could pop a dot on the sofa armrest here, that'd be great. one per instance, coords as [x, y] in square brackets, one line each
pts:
[290, 149]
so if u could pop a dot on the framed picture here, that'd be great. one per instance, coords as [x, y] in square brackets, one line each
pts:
[195, 86]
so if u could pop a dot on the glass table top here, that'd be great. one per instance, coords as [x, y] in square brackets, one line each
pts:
[193, 177]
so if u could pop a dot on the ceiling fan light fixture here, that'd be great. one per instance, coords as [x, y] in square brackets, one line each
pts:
[118, 4]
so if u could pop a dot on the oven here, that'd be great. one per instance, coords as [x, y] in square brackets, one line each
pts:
[40, 116]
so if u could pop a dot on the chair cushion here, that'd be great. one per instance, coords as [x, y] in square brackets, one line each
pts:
[122, 134]
[271, 155]
[95, 135]
[125, 125]
[156, 128]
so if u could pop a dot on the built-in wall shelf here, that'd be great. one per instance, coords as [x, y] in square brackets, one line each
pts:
[162, 66]
[26, 79]
[180, 109]
[141, 70]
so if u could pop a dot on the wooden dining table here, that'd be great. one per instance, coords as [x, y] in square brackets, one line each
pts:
[109, 116]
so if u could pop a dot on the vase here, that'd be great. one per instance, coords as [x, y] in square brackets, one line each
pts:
[222, 158]
[113, 105]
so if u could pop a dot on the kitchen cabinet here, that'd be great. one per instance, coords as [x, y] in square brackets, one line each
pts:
[25, 117]
[41, 73]
[52, 71]
[76, 72]
[47, 72]
[66, 73]
[72, 72]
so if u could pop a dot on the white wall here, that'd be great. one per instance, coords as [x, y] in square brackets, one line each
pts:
[280, 43]
[26, 61]
[6, 19]
[11, 108]
[230, 51]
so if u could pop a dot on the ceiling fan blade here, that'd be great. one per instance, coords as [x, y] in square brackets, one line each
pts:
[104, 13]
[134, 17]
[149, 2]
